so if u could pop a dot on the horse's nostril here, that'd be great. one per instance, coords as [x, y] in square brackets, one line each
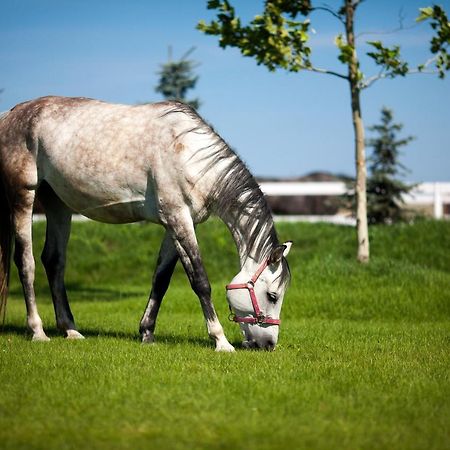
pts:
[249, 344]
[270, 346]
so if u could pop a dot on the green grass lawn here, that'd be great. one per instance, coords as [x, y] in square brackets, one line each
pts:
[362, 362]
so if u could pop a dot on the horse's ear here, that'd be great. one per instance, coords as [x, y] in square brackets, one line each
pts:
[288, 245]
[279, 251]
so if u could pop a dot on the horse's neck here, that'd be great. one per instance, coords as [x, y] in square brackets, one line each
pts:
[249, 244]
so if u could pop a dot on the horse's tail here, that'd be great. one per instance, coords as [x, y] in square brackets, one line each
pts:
[5, 245]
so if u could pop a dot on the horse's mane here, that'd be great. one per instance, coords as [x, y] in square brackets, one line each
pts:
[235, 192]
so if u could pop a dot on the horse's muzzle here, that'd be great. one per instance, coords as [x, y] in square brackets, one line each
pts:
[267, 345]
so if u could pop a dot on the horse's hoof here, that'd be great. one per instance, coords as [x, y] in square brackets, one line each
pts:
[224, 347]
[73, 334]
[148, 338]
[40, 338]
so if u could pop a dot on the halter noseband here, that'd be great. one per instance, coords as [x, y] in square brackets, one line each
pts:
[259, 318]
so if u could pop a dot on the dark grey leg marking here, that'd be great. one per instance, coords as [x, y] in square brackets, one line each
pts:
[54, 257]
[183, 233]
[167, 260]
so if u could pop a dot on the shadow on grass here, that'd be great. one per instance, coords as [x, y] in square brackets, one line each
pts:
[167, 339]
[82, 293]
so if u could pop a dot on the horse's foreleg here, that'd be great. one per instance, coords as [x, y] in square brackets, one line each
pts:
[23, 257]
[165, 266]
[187, 247]
[54, 257]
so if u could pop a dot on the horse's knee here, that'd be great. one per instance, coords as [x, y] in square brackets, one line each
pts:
[23, 257]
[52, 260]
[202, 288]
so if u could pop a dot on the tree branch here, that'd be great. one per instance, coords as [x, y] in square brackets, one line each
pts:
[369, 81]
[421, 67]
[401, 27]
[384, 74]
[327, 72]
[329, 10]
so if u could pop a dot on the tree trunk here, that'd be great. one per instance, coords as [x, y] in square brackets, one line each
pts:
[361, 175]
[358, 126]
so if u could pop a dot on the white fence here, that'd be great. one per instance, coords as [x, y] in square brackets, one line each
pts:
[436, 194]
[425, 194]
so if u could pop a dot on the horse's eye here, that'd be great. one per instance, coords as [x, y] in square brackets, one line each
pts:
[272, 297]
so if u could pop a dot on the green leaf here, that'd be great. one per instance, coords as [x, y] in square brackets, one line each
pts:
[377, 44]
[440, 40]
[388, 59]
[425, 13]
[270, 38]
[346, 50]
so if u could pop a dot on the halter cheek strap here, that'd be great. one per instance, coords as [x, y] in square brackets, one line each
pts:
[259, 318]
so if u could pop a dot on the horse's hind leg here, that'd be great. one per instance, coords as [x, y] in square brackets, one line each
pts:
[167, 259]
[22, 211]
[54, 256]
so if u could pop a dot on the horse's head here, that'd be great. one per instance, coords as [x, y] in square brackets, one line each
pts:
[255, 296]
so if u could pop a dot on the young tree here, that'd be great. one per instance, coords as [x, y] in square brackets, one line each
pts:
[384, 186]
[277, 39]
[176, 78]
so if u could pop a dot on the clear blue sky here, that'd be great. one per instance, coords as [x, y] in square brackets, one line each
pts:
[281, 124]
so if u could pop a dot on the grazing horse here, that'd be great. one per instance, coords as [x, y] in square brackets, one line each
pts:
[121, 164]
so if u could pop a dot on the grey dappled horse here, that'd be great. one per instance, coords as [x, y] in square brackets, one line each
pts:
[120, 164]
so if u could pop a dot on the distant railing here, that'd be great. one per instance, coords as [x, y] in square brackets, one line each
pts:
[435, 193]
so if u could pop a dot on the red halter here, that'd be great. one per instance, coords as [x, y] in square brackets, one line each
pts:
[259, 317]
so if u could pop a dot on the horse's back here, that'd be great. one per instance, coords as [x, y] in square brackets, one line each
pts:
[103, 160]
